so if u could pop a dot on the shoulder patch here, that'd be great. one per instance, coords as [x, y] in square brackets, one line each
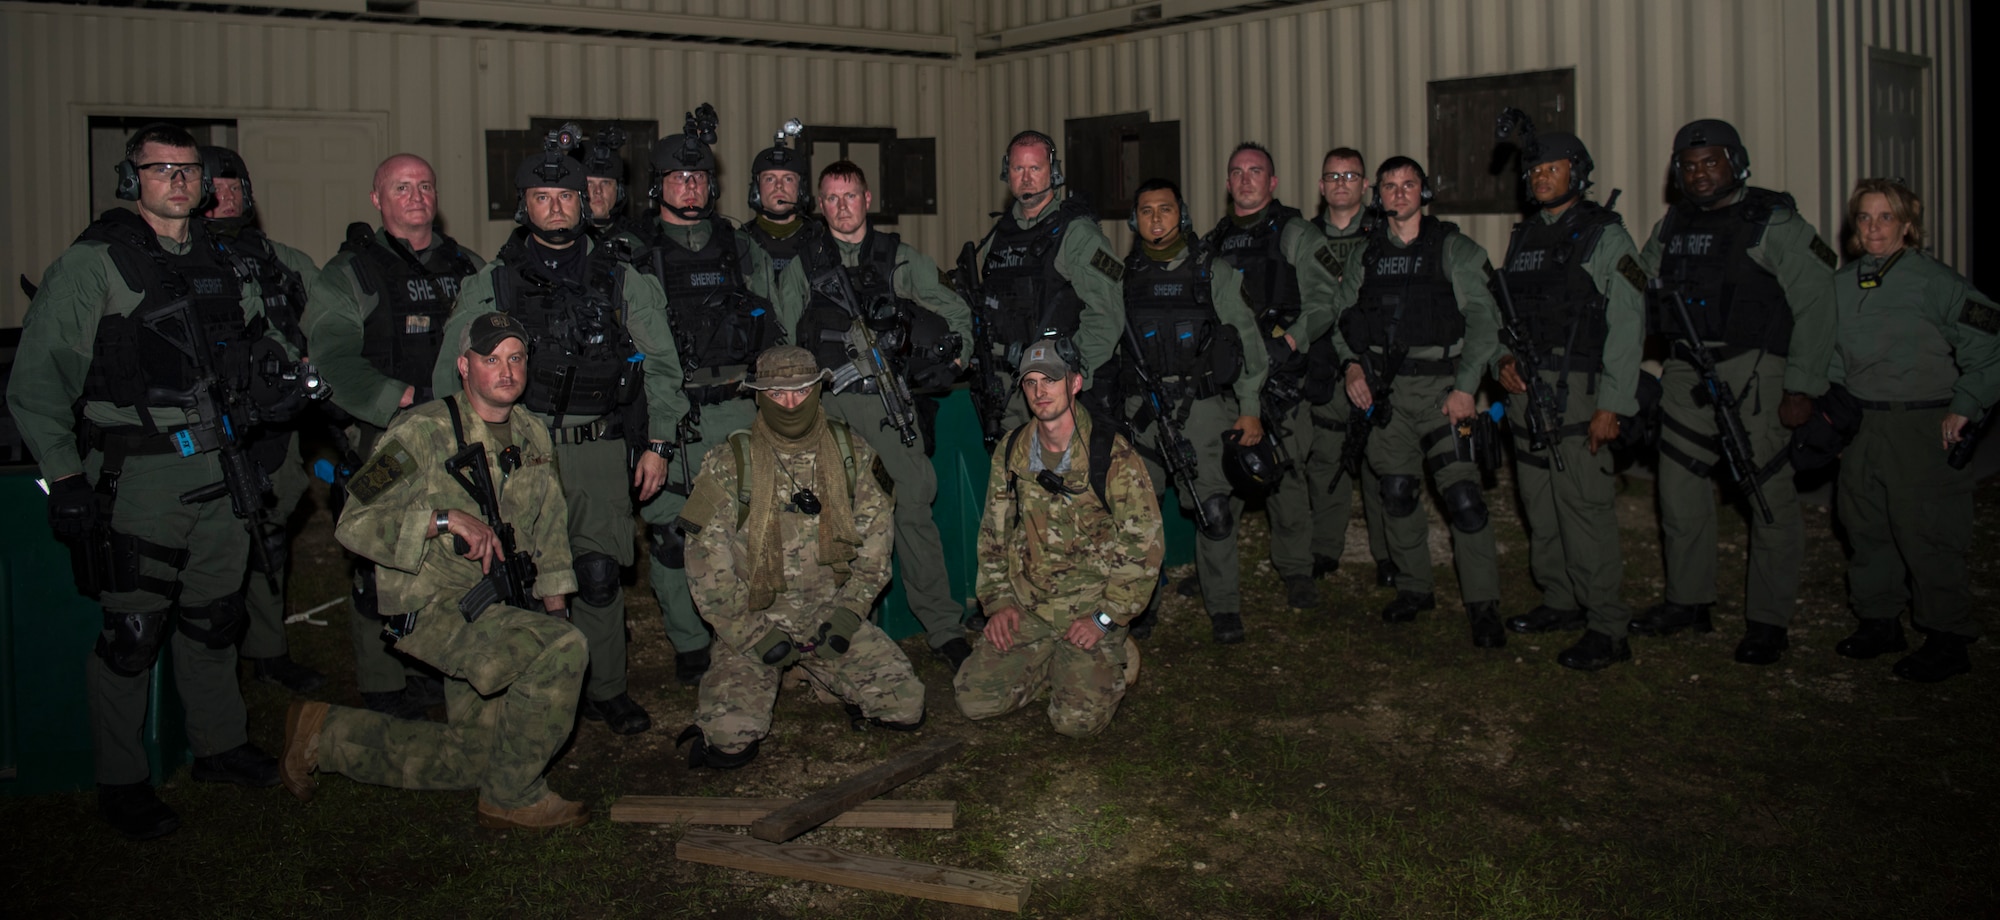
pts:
[1107, 264]
[707, 498]
[392, 461]
[1326, 258]
[1629, 267]
[1981, 317]
[1825, 252]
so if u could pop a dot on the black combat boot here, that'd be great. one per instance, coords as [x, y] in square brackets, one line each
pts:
[1407, 605]
[1874, 636]
[690, 666]
[1300, 592]
[1669, 618]
[133, 810]
[1762, 644]
[1594, 652]
[243, 765]
[620, 713]
[954, 653]
[1385, 573]
[1189, 586]
[1942, 656]
[1228, 627]
[1545, 618]
[286, 673]
[1324, 565]
[1485, 619]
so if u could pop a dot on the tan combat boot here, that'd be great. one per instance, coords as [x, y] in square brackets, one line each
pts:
[551, 812]
[302, 727]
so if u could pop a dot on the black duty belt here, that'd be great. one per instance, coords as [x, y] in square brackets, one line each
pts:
[1428, 367]
[129, 441]
[602, 429]
[1892, 406]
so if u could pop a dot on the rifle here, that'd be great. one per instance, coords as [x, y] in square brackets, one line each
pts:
[1733, 440]
[511, 580]
[1362, 422]
[1968, 440]
[989, 398]
[1544, 412]
[1176, 451]
[865, 363]
[216, 413]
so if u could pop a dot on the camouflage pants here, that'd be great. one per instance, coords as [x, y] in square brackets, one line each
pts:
[737, 693]
[511, 705]
[1084, 687]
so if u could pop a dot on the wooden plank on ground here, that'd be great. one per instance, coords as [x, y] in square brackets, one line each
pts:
[677, 809]
[814, 810]
[856, 870]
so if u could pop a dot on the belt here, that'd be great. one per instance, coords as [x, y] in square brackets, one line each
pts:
[602, 429]
[1428, 367]
[1892, 406]
[129, 441]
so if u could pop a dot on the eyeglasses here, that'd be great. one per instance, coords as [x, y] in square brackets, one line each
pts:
[1340, 177]
[685, 177]
[170, 172]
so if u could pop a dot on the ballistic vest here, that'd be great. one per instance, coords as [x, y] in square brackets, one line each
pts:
[717, 321]
[284, 289]
[581, 361]
[872, 279]
[414, 295]
[783, 250]
[1705, 257]
[191, 301]
[1553, 294]
[1270, 284]
[1020, 275]
[1172, 314]
[1406, 297]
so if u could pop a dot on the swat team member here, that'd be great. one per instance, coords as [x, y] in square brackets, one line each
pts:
[1580, 294]
[1069, 552]
[1287, 268]
[604, 180]
[788, 538]
[597, 332]
[100, 333]
[925, 330]
[1046, 268]
[376, 318]
[778, 193]
[1417, 320]
[515, 672]
[1920, 349]
[1757, 281]
[284, 274]
[726, 306]
[1192, 323]
[1343, 186]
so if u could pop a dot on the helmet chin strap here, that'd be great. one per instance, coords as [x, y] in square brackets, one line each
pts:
[1706, 200]
[558, 237]
[700, 213]
[1566, 198]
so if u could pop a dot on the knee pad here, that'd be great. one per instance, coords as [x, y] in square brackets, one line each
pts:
[362, 591]
[1220, 523]
[1466, 507]
[220, 623]
[702, 755]
[669, 545]
[130, 642]
[596, 579]
[1399, 495]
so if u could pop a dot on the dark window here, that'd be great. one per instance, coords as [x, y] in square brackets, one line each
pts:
[1472, 172]
[1106, 157]
[506, 149]
[901, 171]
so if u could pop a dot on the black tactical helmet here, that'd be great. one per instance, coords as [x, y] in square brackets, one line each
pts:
[553, 167]
[1548, 148]
[601, 159]
[1711, 132]
[692, 150]
[780, 156]
[223, 163]
[1254, 470]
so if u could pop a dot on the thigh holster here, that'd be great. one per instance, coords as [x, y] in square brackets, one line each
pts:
[217, 624]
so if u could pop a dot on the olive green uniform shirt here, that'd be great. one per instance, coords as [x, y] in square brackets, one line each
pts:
[1921, 334]
[1102, 321]
[1312, 259]
[336, 322]
[1465, 264]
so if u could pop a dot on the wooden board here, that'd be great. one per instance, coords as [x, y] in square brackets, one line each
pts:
[676, 809]
[814, 810]
[855, 870]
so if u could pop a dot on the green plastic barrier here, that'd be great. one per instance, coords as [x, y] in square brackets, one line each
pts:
[962, 466]
[47, 632]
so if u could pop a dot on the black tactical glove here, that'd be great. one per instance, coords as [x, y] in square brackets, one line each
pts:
[72, 508]
[837, 633]
[777, 649]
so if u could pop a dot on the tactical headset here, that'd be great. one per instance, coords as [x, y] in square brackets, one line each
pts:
[692, 150]
[1710, 132]
[780, 157]
[1402, 162]
[1055, 162]
[128, 172]
[220, 163]
[1154, 185]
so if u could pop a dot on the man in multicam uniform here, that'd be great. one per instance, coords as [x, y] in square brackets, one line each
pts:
[515, 673]
[785, 558]
[1056, 616]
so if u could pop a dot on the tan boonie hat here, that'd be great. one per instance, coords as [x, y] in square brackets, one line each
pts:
[785, 367]
[1042, 357]
[488, 330]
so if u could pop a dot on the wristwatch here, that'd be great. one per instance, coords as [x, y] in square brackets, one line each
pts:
[441, 519]
[664, 448]
[1104, 621]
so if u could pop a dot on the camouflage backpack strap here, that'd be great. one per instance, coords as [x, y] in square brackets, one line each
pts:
[845, 438]
[1013, 478]
[1101, 432]
[739, 445]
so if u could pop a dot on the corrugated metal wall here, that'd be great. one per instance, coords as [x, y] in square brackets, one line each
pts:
[925, 17]
[441, 90]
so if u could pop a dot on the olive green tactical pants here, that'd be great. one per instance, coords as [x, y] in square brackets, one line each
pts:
[1333, 505]
[683, 622]
[597, 486]
[1572, 515]
[1216, 561]
[149, 507]
[1909, 516]
[1397, 449]
[266, 636]
[1084, 687]
[378, 668]
[1687, 498]
[511, 704]
[1290, 507]
[919, 547]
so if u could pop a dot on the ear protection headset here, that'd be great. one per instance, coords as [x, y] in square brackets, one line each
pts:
[1401, 162]
[1055, 162]
[1187, 222]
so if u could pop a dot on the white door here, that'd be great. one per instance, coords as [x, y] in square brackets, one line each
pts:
[312, 175]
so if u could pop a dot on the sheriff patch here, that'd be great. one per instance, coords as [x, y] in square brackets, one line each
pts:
[1107, 264]
[389, 464]
[1327, 260]
[1981, 317]
[1629, 267]
[1825, 252]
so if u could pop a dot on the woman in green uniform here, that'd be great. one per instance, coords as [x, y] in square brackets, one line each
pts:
[1920, 350]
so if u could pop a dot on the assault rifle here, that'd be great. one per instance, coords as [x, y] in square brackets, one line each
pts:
[511, 580]
[1968, 439]
[216, 415]
[1176, 451]
[1362, 422]
[865, 364]
[1730, 436]
[989, 398]
[1544, 413]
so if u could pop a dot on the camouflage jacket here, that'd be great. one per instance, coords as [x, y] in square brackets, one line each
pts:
[1059, 558]
[718, 554]
[393, 497]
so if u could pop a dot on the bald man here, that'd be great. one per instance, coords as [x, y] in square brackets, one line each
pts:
[375, 317]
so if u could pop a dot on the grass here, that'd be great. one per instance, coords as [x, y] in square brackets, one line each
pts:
[1329, 767]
